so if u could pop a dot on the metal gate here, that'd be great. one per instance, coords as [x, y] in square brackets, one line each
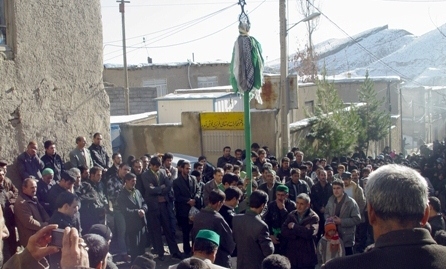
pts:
[215, 140]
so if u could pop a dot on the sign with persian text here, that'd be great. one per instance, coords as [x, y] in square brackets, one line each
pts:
[222, 121]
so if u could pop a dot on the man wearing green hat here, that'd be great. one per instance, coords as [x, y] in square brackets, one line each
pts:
[276, 215]
[209, 218]
[205, 248]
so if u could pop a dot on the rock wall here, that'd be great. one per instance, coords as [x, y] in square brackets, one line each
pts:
[51, 87]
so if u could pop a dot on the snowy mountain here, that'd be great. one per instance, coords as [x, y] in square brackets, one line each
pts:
[384, 52]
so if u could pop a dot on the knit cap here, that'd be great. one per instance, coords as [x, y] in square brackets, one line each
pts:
[329, 225]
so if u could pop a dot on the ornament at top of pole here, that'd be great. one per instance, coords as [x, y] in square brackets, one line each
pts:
[244, 24]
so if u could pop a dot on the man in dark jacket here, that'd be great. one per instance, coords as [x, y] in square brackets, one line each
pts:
[276, 215]
[226, 158]
[157, 186]
[65, 184]
[67, 205]
[113, 170]
[187, 194]
[52, 160]
[284, 171]
[210, 219]
[227, 211]
[94, 201]
[436, 219]
[29, 164]
[300, 229]
[296, 185]
[397, 206]
[134, 209]
[251, 234]
[98, 153]
[320, 193]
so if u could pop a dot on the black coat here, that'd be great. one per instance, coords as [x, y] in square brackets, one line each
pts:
[222, 161]
[129, 208]
[227, 213]
[185, 189]
[99, 156]
[408, 249]
[135, 226]
[320, 195]
[252, 238]
[275, 217]
[296, 189]
[53, 193]
[55, 163]
[300, 249]
[152, 187]
[212, 220]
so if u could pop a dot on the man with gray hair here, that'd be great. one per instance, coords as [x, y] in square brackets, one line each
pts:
[397, 205]
[300, 230]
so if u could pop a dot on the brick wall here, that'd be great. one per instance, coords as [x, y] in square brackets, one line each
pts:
[141, 100]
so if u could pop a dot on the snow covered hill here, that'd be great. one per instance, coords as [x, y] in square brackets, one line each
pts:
[384, 52]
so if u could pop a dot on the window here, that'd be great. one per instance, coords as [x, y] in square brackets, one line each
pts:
[2, 23]
[159, 84]
[204, 82]
[309, 106]
[6, 37]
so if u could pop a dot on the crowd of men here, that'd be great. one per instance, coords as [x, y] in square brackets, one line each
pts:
[310, 212]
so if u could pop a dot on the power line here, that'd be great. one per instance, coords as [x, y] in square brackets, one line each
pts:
[179, 25]
[190, 41]
[366, 50]
[187, 4]
[172, 30]
[416, 1]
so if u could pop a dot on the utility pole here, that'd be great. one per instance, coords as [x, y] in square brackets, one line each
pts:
[413, 124]
[124, 52]
[429, 109]
[390, 115]
[284, 93]
[284, 81]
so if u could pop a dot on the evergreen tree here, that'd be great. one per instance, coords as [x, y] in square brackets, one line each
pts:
[375, 121]
[334, 129]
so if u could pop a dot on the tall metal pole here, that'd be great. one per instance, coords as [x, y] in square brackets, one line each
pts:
[124, 52]
[247, 124]
[284, 107]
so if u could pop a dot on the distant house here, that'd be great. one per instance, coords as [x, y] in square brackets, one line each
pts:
[211, 99]
[166, 78]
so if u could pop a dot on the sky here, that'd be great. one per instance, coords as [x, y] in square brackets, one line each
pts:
[205, 30]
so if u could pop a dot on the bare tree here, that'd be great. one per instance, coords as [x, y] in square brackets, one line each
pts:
[306, 8]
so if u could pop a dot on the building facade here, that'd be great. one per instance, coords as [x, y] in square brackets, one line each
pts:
[51, 74]
[166, 78]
